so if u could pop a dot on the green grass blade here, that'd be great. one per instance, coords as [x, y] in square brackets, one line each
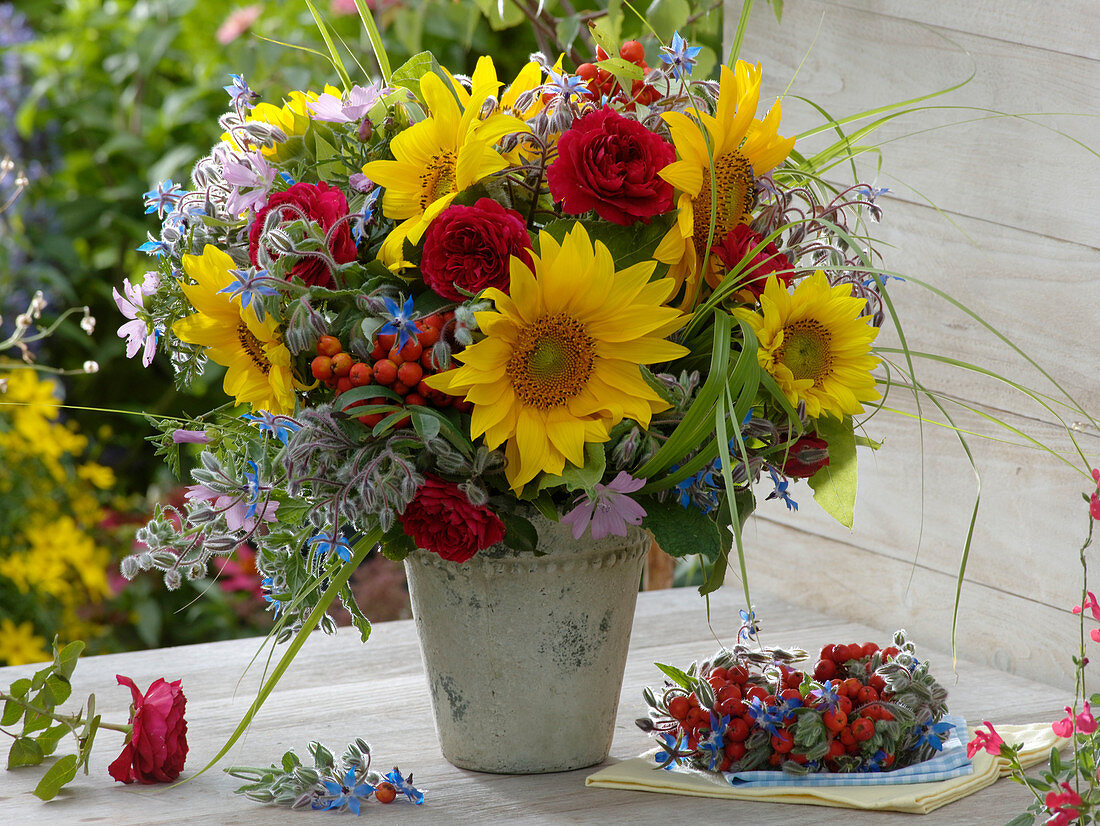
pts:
[337, 61]
[739, 33]
[375, 41]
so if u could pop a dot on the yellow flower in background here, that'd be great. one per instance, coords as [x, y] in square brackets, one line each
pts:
[62, 561]
[559, 365]
[258, 362]
[19, 645]
[99, 475]
[742, 147]
[440, 156]
[816, 344]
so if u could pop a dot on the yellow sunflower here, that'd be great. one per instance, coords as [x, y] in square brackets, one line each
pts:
[440, 156]
[559, 364]
[742, 147]
[816, 345]
[258, 363]
[292, 117]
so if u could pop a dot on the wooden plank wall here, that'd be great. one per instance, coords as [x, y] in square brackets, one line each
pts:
[1014, 235]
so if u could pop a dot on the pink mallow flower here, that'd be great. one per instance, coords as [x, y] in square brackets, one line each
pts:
[1085, 722]
[345, 110]
[136, 331]
[1058, 804]
[251, 177]
[609, 510]
[238, 22]
[990, 741]
[239, 514]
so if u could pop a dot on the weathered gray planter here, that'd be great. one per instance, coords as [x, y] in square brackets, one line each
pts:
[525, 654]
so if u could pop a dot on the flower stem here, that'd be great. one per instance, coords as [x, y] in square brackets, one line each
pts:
[70, 720]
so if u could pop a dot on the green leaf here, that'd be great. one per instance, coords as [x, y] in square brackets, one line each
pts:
[425, 424]
[397, 544]
[493, 9]
[1024, 819]
[627, 245]
[12, 712]
[834, 485]
[579, 478]
[60, 773]
[668, 16]
[20, 688]
[35, 721]
[681, 531]
[24, 752]
[677, 676]
[65, 659]
[49, 738]
[864, 441]
[409, 73]
[56, 690]
[40, 677]
[1055, 761]
[88, 739]
[519, 533]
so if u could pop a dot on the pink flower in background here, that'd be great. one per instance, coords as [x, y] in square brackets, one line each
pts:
[348, 6]
[238, 573]
[338, 110]
[1085, 722]
[1058, 804]
[190, 437]
[1094, 500]
[1090, 603]
[238, 22]
[236, 509]
[990, 741]
[609, 510]
[251, 177]
[136, 331]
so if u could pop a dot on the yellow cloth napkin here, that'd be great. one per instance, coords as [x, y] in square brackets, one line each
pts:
[640, 774]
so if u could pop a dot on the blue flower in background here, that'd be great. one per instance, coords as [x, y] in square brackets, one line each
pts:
[154, 246]
[401, 321]
[248, 285]
[280, 426]
[347, 794]
[780, 492]
[933, 734]
[326, 542]
[565, 84]
[404, 786]
[680, 56]
[163, 198]
[240, 94]
[714, 743]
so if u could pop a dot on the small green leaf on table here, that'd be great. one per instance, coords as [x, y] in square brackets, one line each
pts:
[60, 773]
[24, 752]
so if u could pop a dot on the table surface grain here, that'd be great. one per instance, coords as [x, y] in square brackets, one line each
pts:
[338, 689]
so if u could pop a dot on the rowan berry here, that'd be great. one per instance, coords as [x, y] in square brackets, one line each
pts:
[720, 672]
[410, 352]
[428, 336]
[360, 374]
[410, 373]
[370, 419]
[735, 751]
[863, 728]
[385, 372]
[737, 730]
[633, 51]
[783, 741]
[586, 71]
[866, 695]
[385, 792]
[679, 707]
[343, 385]
[415, 399]
[399, 388]
[341, 364]
[869, 649]
[321, 368]
[834, 720]
[824, 670]
[329, 346]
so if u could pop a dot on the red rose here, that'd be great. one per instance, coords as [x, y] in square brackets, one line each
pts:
[157, 746]
[609, 164]
[806, 457]
[470, 246]
[322, 204]
[441, 519]
[767, 261]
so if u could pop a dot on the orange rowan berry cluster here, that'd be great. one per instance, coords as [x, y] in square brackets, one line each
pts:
[602, 84]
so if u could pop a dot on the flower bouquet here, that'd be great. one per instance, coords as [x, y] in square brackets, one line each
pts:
[453, 311]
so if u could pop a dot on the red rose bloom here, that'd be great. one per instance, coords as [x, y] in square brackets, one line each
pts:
[322, 204]
[609, 164]
[441, 519]
[470, 246]
[806, 457]
[768, 261]
[157, 746]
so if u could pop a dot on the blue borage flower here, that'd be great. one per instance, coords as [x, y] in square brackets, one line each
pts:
[154, 246]
[279, 426]
[404, 786]
[267, 586]
[826, 696]
[749, 625]
[714, 743]
[240, 94]
[248, 286]
[768, 718]
[163, 198]
[933, 734]
[565, 84]
[254, 490]
[323, 543]
[400, 321]
[344, 795]
[781, 485]
[361, 219]
[679, 56]
[672, 754]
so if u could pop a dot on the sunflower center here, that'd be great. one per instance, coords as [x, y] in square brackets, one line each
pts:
[551, 361]
[437, 179]
[805, 351]
[733, 174]
[253, 347]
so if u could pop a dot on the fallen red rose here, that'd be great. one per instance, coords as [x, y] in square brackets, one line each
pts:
[157, 748]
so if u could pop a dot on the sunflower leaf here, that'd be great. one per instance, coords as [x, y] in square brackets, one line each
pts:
[681, 531]
[834, 485]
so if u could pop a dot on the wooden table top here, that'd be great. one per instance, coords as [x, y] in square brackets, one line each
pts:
[338, 689]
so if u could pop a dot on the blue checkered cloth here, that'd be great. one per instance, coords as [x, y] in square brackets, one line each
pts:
[951, 762]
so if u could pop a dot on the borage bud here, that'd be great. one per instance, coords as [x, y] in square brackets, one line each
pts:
[365, 131]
